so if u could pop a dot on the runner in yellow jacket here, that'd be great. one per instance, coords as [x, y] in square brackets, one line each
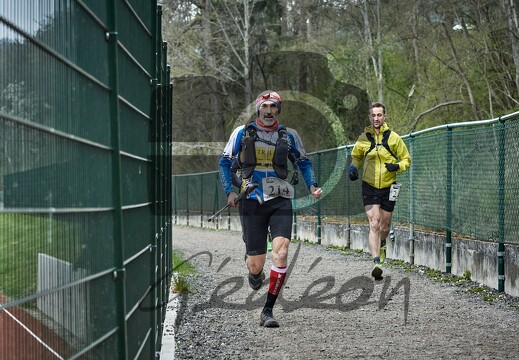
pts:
[383, 154]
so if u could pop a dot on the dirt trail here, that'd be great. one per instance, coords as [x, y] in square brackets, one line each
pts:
[331, 308]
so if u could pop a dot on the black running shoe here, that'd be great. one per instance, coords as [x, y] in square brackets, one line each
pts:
[377, 272]
[255, 281]
[267, 319]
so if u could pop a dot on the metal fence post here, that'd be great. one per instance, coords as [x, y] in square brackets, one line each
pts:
[348, 208]
[111, 37]
[294, 222]
[158, 115]
[318, 202]
[411, 203]
[216, 199]
[448, 225]
[201, 200]
[187, 201]
[501, 207]
[175, 201]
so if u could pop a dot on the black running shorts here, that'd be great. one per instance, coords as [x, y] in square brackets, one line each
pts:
[256, 219]
[373, 196]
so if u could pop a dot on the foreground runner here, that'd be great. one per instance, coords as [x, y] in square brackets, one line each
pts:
[262, 149]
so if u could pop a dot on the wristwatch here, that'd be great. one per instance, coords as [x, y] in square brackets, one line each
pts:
[315, 184]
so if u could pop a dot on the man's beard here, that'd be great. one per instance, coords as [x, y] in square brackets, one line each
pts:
[269, 121]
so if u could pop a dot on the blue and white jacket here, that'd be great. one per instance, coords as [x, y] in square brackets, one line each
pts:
[264, 155]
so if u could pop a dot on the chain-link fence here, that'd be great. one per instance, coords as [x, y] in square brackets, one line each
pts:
[463, 180]
[85, 240]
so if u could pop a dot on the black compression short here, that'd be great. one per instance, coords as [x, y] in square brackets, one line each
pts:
[256, 219]
[374, 196]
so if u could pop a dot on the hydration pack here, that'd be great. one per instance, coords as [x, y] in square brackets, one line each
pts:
[247, 155]
[385, 137]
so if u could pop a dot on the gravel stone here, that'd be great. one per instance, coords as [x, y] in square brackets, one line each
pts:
[331, 308]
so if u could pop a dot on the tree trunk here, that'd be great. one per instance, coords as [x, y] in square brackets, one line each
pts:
[284, 19]
[513, 28]
[380, 77]
[247, 14]
[215, 103]
[461, 73]
[374, 50]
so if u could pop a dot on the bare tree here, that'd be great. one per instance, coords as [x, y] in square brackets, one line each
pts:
[375, 47]
[412, 127]
[233, 20]
[513, 28]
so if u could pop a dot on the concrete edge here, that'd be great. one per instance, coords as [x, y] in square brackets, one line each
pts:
[168, 345]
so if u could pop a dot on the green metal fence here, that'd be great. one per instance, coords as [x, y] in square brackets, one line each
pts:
[85, 230]
[464, 180]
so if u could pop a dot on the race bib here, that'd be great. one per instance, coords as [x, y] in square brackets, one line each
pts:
[394, 190]
[274, 187]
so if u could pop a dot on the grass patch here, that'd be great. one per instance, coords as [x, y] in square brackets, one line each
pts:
[432, 273]
[304, 241]
[343, 249]
[476, 290]
[180, 284]
[181, 269]
[437, 275]
[395, 262]
[457, 279]
[181, 266]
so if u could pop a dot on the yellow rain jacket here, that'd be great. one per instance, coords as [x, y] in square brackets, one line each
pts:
[374, 168]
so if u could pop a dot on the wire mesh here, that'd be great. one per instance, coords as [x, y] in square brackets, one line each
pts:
[84, 179]
[452, 185]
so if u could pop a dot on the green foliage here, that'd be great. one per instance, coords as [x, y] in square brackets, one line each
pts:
[181, 269]
[476, 290]
[428, 57]
[181, 266]
[343, 249]
[466, 275]
[395, 262]
[485, 293]
[181, 284]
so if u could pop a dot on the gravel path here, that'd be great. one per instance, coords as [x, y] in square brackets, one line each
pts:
[330, 308]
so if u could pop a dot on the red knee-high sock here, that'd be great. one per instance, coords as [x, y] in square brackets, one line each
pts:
[277, 278]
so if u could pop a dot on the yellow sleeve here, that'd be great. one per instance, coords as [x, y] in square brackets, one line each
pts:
[403, 155]
[358, 152]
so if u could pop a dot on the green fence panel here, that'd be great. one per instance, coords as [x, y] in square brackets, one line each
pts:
[85, 179]
[452, 186]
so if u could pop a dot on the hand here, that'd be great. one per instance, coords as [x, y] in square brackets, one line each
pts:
[231, 199]
[316, 192]
[353, 173]
[392, 167]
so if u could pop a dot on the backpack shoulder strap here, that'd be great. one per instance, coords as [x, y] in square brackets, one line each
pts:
[385, 137]
[282, 131]
[385, 144]
[369, 136]
[247, 154]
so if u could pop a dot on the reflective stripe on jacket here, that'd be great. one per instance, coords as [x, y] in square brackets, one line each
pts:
[374, 168]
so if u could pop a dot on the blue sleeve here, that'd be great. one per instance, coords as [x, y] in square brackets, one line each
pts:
[304, 163]
[229, 153]
[224, 169]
